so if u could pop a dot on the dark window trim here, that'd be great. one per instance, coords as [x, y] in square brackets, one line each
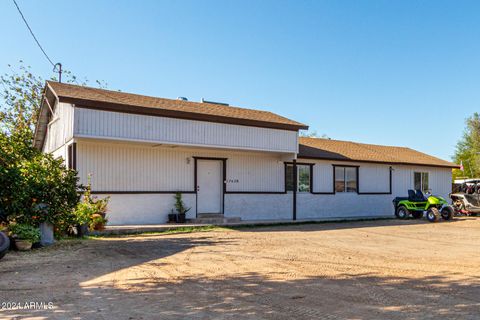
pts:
[142, 192]
[72, 156]
[69, 156]
[357, 172]
[358, 182]
[380, 193]
[255, 192]
[286, 163]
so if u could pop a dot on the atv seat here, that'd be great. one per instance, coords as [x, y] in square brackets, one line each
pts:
[416, 196]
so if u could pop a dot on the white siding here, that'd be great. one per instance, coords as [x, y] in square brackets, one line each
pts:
[259, 206]
[125, 209]
[60, 128]
[372, 178]
[137, 167]
[132, 127]
[141, 167]
[61, 153]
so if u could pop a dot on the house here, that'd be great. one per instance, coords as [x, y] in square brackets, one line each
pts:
[225, 160]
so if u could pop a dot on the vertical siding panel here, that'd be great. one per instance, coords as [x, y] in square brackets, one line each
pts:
[169, 130]
[130, 167]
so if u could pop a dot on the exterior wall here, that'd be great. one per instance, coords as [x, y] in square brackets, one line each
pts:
[141, 167]
[134, 167]
[372, 178]
[125, 209]
[60, 128]
[61, 153]
[123, 126]
[259, 206]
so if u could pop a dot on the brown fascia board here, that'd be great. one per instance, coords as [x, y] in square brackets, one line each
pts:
[380, 162]
[116, 107]
[43, 114]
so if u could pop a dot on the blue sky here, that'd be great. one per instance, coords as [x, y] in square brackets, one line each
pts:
[390, 72]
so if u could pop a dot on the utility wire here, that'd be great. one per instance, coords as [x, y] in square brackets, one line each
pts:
[33, 35]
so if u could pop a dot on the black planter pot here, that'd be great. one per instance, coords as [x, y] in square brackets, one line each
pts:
[181, 218]
[82, 230]
[172, 217]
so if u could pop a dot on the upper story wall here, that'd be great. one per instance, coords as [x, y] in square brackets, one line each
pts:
[60, 127]
[134, 127]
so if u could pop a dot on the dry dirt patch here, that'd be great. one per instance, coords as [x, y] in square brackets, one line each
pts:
[357, 270]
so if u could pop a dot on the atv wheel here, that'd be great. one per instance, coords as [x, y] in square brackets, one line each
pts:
[417, 214]
[447, 213]
[433, 215]
[402, 212]
[4, 244]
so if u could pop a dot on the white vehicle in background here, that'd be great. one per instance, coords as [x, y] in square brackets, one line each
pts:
[466, 196]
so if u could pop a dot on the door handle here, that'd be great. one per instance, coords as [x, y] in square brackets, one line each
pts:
[198, 188]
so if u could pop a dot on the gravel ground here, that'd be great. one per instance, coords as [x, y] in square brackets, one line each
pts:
[357, 270]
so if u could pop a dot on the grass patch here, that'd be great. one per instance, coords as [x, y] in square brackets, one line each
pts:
[127, 233]
[192, 229]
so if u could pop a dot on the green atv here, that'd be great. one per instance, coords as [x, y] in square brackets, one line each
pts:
[417, 203]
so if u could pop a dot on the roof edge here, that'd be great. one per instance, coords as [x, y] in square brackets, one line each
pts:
[452, 166]
[133, 109]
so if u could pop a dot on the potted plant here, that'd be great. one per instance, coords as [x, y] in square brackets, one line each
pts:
[172, 217]
[181, 209]
[25, 235]
[97, 222]
[90, 213]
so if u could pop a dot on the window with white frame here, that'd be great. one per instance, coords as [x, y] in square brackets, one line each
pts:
[345, 179]
[303, 178]
[420, 181]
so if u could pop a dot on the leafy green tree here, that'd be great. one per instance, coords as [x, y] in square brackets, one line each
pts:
[313, 134]
[467, 151]
[21, 97]
[35, 186]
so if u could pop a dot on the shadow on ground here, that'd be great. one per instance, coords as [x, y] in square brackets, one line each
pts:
[336, 225]
[246, 295]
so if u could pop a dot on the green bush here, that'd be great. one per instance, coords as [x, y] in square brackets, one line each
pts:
[35, 187]
[23, 231]
[91, 210]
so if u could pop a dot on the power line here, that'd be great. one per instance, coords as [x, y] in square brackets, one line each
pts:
[33, 35]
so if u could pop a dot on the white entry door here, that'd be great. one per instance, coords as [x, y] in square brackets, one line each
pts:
[209, 186]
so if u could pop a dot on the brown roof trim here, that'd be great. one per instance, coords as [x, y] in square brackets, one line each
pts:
[132, 109]
[381, 162]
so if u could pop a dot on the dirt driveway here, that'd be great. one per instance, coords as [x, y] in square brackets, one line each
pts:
[358, 270]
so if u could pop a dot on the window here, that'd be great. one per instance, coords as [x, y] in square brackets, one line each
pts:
[420, 180]
[303, 172]
[303, 178]
[289, 177]
[345, 179]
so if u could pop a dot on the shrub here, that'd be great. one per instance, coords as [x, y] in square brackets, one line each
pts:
[36, 187]
[179, 204]
[23, 231]
[91, 210]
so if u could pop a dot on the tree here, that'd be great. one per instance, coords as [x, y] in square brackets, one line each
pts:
[35, 186]
[313, 134]
[467, 151]
[21, 98]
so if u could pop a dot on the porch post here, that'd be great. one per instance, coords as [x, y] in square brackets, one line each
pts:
[295, 186]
